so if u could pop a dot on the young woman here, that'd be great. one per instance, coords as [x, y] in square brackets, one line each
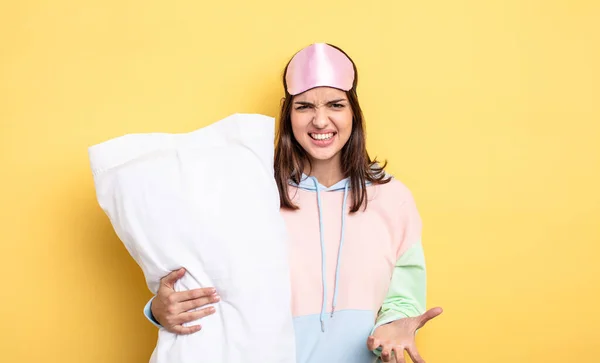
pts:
[357, 265]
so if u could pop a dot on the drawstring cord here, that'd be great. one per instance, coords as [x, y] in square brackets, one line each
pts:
[337, 266]
[323, 256]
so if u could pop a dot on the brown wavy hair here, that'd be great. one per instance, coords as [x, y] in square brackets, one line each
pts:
[291, 158]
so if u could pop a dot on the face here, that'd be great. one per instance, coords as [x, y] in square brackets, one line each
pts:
[322, 122]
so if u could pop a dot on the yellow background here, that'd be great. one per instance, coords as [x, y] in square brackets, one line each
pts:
[488, 110]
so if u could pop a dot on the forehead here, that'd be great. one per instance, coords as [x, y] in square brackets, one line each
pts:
[320, 94]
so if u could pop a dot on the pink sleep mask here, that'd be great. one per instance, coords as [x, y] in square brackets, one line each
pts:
[319, 65]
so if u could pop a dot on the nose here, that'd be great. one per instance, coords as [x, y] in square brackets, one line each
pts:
[321, 119]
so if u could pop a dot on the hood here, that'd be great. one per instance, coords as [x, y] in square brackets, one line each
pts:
[308, 183]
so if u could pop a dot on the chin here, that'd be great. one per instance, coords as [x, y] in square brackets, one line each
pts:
[322, 155]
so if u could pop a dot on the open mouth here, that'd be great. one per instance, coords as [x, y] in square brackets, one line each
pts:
[326, 136]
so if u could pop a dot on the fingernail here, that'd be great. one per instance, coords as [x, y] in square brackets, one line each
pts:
[216, 298]
[211, 309]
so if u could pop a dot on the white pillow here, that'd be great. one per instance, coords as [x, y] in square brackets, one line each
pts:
[207, 201]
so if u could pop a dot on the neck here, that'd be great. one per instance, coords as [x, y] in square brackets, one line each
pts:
[327, 172]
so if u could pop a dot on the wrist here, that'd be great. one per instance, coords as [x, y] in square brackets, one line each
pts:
[150, 315]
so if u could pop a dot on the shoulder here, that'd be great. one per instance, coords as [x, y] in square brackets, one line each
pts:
[395, 191]
[403, 209]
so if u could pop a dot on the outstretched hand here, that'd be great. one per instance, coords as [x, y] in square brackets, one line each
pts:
[396, 337]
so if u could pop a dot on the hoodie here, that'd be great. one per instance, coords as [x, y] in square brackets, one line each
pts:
[350, 273]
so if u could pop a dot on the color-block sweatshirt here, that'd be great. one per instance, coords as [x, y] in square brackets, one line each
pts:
[350, 273]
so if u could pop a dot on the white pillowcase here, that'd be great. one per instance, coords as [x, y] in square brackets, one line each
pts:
[207, 201]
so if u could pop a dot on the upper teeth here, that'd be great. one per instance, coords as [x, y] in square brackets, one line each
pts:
[322, 136]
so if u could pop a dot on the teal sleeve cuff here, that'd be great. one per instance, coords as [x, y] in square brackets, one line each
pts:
[148, 314]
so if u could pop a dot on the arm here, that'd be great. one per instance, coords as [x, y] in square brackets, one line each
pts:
[406, 296]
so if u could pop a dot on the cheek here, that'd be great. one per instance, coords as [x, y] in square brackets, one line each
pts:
[298, 125]
[344, 125]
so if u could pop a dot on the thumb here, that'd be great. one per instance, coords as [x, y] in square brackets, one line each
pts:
[428, 315]
[170, 280]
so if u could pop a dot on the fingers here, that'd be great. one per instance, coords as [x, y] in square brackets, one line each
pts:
[176, 317]
[414, 355]
[195, 315]
[170, 307]
[195, 294]
[185, 330]
[181, 319]
[198, 303]
[207, 293]
[174, 309]
[171, 278]
[386, 353]
[428, 315]
[393, 354]
[399, 354]
[373, 343]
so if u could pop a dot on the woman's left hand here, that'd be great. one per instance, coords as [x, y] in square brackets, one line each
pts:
[399, 335]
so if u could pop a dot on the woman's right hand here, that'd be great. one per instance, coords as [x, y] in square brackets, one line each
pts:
[172, 309]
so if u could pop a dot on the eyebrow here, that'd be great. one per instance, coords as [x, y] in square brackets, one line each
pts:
[304, 103]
